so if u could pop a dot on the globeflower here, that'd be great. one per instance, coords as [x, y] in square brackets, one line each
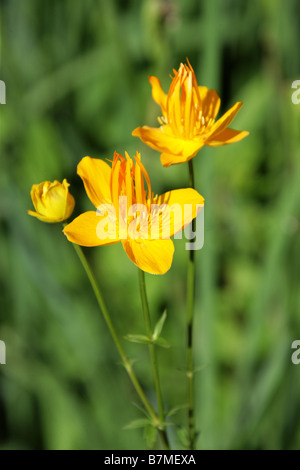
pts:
[128, 212]
[52, 201]
[188, 119]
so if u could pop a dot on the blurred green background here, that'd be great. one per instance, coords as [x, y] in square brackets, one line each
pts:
[76, 74]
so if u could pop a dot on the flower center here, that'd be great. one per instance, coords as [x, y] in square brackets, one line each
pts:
[184, 111]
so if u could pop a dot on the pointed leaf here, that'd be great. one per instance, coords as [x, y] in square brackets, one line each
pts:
[140, 408]
[137, 423]
[161, 342]
[159, 325]
[175, 410]
[138, 339]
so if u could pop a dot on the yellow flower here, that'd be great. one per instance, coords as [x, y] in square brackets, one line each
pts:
[128, 212]
[188, 119]
[52, 201]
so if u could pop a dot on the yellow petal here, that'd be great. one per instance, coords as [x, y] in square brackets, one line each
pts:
[228, 136]
[168, 160]
[152, 256]
[84, 231]
[56, 200]
[44, 218]
[165, 143]
[210, 102]
[96, 175]
[38, 197]
[70, 204]
[224, 121]
[52, 201]
[35, 193]
[181, 207]
[158, 94]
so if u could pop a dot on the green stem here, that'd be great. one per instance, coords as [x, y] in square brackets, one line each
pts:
[125, 361]
[153, 356]
[190, 315]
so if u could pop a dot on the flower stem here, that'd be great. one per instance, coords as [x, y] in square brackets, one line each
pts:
[190, 315]
[153, 356]
[125, 361]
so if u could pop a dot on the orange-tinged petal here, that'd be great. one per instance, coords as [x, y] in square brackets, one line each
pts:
[182, 206]
[168, 160]
[96, 175]
[115, 185]
[165, 143]
[146, 176]
[128, 181]
[152, 256]
[173, 106]
[84, 231]
[228, 136]
[186, 97]
[210, 102]
[158, 94]
[224, 121]
[156, 138]
[139, 183]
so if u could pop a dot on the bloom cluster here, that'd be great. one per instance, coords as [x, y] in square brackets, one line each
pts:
[126, 209]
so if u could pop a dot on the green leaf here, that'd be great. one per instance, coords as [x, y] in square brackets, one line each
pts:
[140, 408]
[149, 435]
[137, 423]
[175, 410]
[142, 339]
[159, 325]
[183, 437]
[138, 339]
[161, 342]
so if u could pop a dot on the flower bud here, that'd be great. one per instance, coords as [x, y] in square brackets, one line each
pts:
[52, 201]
